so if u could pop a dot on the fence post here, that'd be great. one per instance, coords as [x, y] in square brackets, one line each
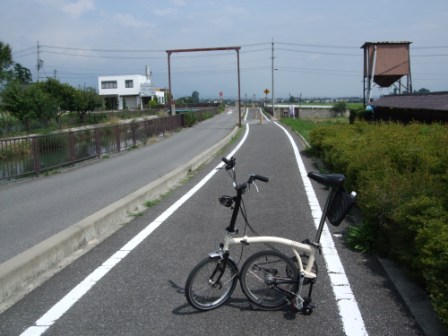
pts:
[96, 134]
[36, 161]
[117, 137]
[71, 147]
[134, 140]
[182, 120]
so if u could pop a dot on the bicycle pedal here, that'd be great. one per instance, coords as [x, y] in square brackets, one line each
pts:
[308, 310]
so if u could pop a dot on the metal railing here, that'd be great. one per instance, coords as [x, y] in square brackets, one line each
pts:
[27, 156]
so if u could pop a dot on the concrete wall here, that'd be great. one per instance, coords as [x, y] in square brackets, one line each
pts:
[311, 112]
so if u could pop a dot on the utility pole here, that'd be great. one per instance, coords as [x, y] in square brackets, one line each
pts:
[39, 62]
[273, 106]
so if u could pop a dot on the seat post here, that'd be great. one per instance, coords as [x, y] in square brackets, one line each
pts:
[324, 214]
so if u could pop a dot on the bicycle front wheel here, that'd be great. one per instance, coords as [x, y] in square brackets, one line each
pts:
[211, 283]
[269, 279]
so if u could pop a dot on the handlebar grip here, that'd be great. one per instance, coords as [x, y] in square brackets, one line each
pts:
[230, 164]
[261, 178]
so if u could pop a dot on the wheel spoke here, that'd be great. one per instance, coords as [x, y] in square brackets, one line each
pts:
[268, 279]
[209, 285]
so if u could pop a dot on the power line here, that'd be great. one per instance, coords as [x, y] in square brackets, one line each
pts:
[318, 52]
[255, 45]
[100, 56]
[431, 47]
[318, 45]
[433, 55]
[27, 51]
[103, 50]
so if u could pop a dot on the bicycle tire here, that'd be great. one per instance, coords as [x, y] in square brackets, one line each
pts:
[269, 279]
[204, 295]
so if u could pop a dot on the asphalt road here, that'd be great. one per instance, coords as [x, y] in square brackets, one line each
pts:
[37, 208]
[143, 293]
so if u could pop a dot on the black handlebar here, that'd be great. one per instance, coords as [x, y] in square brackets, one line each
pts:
[230, 164]
[240, 189]
[259, 178]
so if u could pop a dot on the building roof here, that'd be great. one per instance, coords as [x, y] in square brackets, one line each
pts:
[427, 101]
[385, 43]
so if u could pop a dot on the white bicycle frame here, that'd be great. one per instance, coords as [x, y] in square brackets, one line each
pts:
[295, 246]
[308, 248]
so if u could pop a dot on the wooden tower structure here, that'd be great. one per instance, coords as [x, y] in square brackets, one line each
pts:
[385, 64]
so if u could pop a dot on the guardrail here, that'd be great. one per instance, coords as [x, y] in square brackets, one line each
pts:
[26, 156]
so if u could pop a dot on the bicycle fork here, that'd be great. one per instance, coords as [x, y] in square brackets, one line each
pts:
[219, 268]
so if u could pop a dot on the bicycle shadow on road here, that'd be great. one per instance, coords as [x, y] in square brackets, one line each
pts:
[238, 303]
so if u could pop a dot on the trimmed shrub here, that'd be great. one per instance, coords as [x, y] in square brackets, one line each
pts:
[401, 176]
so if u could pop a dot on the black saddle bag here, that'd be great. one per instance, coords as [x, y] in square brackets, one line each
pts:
[340, 205]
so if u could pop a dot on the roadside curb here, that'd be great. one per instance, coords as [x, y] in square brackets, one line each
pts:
[26, 271]
[415, 299]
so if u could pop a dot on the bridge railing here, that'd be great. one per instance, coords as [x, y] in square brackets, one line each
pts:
[33, 155]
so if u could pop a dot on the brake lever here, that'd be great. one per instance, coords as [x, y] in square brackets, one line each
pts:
[256, 187]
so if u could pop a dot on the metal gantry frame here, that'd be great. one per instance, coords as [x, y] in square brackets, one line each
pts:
[173, 51]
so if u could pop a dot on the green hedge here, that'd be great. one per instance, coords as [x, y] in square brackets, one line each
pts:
[401, 175]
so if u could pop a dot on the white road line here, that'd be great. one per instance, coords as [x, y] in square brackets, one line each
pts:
[348, 307]
[61, 307]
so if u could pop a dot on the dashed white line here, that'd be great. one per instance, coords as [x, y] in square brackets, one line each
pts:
[349, 312]
[61, 307]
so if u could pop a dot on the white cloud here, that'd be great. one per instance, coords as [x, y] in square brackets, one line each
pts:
[164, 11]
[179, 2]
[130, 21]
[76, 8]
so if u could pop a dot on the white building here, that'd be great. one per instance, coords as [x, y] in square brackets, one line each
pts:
[129, 91]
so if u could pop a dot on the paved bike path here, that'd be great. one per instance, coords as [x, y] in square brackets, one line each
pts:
[45, 219]
[143, 293]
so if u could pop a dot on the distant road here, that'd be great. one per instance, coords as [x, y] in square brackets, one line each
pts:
[35, 209]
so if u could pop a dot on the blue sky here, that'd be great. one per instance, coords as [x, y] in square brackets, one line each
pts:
[316, 43]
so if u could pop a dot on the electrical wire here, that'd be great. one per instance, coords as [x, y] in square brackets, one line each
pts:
[102, 50]
[247, 49]
[316, 45]
[99, 56]
[317, 52]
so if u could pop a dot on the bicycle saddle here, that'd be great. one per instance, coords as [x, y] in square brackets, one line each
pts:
[330, 180]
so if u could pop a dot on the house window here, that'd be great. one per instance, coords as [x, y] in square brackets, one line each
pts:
[109, 85]
[129, 84]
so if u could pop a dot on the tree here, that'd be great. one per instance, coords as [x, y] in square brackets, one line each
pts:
[85, 101]
[292, 100]
[195, 97]
[184, 101]
[339, 107]
[62, 96]
[22, 74]
[9, 70]
[27, 103]
[5, 60]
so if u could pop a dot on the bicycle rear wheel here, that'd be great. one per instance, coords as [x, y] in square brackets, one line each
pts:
[269, 279]
[211, 283]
